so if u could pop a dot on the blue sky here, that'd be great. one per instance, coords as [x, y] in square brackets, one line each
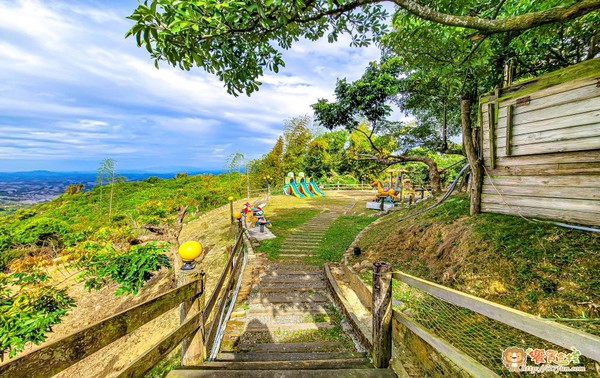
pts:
[73, 91]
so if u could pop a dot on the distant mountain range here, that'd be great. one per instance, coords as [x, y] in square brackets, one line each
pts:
[25, 188]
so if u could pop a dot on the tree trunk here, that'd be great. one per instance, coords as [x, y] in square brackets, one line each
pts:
[472, 156]
[434, 176]
[112, 189]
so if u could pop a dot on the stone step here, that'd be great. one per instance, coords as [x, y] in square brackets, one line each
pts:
[292, 279]
[299, 373]
[287, 356]
[257, 327]
[288, 319]
[292, 274]
[340, 363]
[286, 309]
[298, 247]
[298, 298]
[295, 269]
[312, 238]
[294, 255]
[295, 251]
[322, 346]
[291, 288]
[294, 260]
[301, 242]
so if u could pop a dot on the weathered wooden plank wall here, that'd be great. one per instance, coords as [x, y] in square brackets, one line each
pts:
[542, 151]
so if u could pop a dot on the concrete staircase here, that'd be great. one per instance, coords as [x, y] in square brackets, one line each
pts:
[287, 325]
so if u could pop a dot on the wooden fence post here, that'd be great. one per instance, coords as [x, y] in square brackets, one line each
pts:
[382, 314]
[192, 347]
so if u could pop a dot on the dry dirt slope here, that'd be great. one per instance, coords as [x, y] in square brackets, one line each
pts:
[212, 230]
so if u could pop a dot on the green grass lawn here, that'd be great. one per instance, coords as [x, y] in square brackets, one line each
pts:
[339, 237]
[284, 223]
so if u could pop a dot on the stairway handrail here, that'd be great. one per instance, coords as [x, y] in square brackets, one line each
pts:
[51, 359]
[59, 355]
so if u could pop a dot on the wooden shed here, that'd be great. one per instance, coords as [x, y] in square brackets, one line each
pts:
[540, 142]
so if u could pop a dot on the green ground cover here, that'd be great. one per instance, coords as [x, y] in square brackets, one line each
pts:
[339, 236]
[285, 221]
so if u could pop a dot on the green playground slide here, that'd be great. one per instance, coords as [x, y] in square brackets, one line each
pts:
[315, 188]
[305, 189]
[294, 189]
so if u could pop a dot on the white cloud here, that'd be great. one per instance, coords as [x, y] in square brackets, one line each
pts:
[72, 88]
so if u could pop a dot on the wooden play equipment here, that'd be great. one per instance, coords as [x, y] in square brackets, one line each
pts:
[384, 192]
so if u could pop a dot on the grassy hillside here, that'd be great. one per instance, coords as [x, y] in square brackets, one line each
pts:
[115, 235]
[47, 229]
[529, 265]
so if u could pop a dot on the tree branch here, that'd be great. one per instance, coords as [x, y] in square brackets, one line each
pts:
[492, 26]
[369, 139]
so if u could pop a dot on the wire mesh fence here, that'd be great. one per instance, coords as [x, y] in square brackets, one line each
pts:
[480, 337]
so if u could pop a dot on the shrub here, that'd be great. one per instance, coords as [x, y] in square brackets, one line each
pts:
[74, 189]
[8, 256]
[151, 180]
[22, 214]
[130, 270]
[29, 309]
[38, 230]
[5, 239]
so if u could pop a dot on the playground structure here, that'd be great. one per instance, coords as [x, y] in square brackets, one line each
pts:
[254, 216]
[384, 192]
[401, 191]
[302, 188]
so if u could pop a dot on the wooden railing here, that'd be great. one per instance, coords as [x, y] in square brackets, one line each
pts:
[211, 314]
[340, 186]
[567, 337]
[384, 318]
[59, 355]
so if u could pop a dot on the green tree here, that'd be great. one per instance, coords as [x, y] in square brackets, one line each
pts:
[272, 163]
[326, 154]
[369, 98]
[237, 40]
[213, 34]
[443, 61]
[74, 189]
[106, 173]
[233, 164]
[296, 135]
